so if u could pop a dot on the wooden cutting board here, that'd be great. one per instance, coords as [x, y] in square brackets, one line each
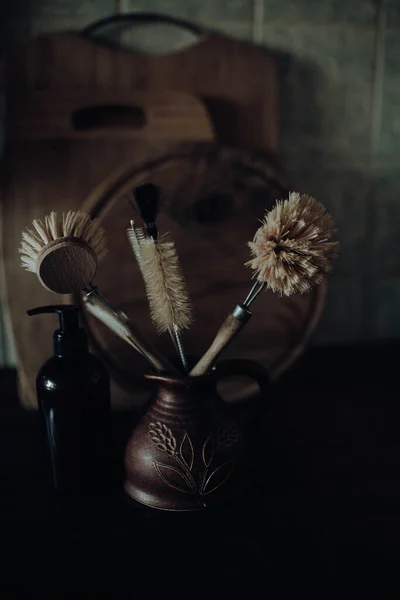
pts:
[78, 110]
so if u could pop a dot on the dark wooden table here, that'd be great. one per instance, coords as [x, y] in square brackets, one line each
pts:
[321, 517]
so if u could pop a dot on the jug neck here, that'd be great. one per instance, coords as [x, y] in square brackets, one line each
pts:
[186, 399]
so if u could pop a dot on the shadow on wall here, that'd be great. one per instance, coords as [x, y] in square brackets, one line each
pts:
[14, 20]
[319, 160]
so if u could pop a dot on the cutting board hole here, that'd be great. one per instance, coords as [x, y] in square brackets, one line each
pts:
[91, 118]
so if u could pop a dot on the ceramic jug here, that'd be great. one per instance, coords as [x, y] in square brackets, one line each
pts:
[187, 451]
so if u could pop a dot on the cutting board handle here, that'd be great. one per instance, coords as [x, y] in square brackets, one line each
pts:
[141, 18]
[107, 116]
[77, 114]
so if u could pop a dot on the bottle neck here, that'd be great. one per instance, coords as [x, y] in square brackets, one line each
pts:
[70, 344]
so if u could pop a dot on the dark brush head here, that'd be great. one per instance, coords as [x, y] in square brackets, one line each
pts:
[147, 198]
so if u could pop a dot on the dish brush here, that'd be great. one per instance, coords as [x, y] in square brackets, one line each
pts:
[291, 252]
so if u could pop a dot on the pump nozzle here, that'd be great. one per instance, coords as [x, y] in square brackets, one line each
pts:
[68, 314]
[70, 338]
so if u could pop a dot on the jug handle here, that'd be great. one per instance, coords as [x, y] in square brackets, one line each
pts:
[246, 411]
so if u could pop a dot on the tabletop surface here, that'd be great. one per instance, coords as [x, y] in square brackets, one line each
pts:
[322, 510]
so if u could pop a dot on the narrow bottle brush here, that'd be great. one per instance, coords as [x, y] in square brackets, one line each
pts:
[166, 290]
[292, 251]
[165, 285]
[158, 261]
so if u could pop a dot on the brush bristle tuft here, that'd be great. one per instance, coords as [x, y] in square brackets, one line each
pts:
[165, 285]
[292, 250]
[55, 226]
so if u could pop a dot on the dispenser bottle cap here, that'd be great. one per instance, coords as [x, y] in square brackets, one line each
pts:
[69, 339]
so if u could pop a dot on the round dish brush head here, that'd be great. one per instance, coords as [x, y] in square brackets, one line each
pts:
[292, 250]
[63, 250]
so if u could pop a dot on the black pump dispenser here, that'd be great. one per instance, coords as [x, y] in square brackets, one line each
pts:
[69, 339]
[74, 398]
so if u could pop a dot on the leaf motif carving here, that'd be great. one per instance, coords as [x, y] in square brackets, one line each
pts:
[186, 451]
[218, 477]
[162, 436]
[208, 450]
[174, 477]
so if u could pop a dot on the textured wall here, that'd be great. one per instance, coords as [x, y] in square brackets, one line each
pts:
[340, 122]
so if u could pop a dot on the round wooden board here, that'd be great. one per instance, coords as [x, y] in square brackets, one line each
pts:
[212, 200]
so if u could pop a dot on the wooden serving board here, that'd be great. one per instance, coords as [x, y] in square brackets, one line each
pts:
[79, 115]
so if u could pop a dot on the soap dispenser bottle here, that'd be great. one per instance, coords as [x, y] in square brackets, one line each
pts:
[73, 393]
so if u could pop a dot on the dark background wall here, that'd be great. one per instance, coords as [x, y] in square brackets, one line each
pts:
[340, 123]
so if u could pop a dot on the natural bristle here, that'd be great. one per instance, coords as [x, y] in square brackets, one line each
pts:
[165, 285]
[292, 250]
[136, 237]
[73, 224]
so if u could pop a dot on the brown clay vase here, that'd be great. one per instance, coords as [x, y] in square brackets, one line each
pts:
[187, 451]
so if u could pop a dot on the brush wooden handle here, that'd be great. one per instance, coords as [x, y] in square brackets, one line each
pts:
[129, 333]
[227, 332]
[155, 358]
